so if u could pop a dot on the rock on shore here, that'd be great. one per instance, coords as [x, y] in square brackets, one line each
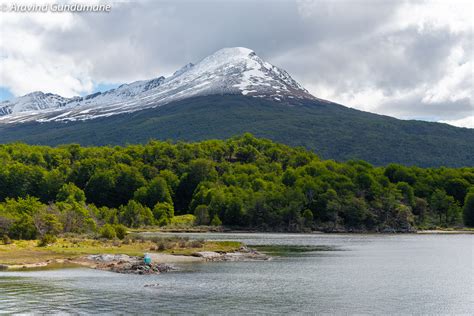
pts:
[128, 264]
[244, 254]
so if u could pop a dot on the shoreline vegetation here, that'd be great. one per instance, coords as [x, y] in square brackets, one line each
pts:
[111, 254]
[229, 230]
[50, 195]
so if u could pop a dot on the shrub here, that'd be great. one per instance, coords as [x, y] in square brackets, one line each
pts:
[216, 221]
[183, 220]
[46, 240]
[108, 231]
[163, 213]
[468, 210]
[202, 215]
[127, 240]
[6, 240]
[196, 243]
[23, 228]
[69, 192]
[120, 231]
[135, 215]
[182, 243]
[308, 217]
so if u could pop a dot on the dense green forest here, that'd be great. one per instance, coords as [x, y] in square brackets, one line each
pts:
[330, 130]
[243, 182]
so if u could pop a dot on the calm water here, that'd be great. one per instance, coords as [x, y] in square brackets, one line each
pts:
[365, 274]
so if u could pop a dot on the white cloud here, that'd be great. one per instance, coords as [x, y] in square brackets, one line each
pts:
[26, 75]
[457, 15]
[410, 59]
[414, 63]
[27, 64]
[457, 82]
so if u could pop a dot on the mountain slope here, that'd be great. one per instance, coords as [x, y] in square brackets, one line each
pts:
[231, 92]
[331, 130]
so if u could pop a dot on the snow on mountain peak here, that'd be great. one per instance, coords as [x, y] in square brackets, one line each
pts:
[183, 69]
[33, 101]
[225, 55]
[234, 70]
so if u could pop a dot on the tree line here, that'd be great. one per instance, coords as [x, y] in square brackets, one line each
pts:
[242, 182]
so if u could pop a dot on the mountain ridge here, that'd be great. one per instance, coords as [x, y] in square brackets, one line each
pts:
[330, 130]
[229, 93]
[235, 70]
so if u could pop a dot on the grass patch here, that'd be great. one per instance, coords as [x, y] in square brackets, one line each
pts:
[217, 246]
[183, 220]
[27, 251]
[180, 223]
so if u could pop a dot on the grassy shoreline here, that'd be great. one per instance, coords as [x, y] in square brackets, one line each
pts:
[26, 253]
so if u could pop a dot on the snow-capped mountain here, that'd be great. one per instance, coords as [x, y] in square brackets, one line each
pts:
[228, 71]
[34, 101]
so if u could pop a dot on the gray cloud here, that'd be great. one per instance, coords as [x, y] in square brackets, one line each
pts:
[412, 107]
[367, 54]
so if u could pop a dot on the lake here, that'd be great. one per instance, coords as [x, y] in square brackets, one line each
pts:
[312, 273]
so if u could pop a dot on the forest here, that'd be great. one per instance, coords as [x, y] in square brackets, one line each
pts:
[240, 183]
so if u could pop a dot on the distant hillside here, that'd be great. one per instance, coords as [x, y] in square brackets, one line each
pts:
[332, 131]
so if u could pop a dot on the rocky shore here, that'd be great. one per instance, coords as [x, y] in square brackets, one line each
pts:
[128, 264]
[160, 262]
[244, 254]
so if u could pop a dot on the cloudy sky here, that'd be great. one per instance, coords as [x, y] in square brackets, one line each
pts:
[408, 59]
